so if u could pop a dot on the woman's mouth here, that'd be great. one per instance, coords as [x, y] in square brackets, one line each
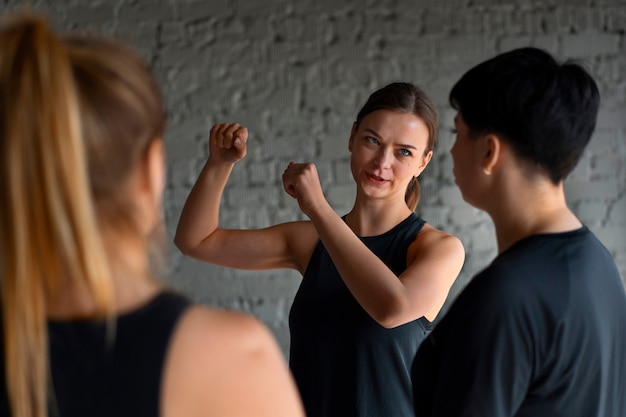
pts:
[376, 179]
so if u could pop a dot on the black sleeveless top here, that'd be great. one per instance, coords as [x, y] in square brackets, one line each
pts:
[345, 363]
[94, 376]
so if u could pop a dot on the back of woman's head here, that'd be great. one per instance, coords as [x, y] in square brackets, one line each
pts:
[405, 98]
[72, 126]
[121, 114]
[545, 110]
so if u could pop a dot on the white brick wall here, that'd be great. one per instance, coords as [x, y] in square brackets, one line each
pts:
[296, 71]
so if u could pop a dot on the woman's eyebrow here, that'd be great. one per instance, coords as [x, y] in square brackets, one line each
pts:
[375, 133]
[402, 145]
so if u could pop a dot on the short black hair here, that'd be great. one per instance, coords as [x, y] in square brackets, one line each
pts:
[545, 110]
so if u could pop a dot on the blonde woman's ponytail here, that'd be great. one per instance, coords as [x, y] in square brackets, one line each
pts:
[49, 235]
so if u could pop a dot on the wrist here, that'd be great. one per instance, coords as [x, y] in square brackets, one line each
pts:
[219, 164]
[320, 211]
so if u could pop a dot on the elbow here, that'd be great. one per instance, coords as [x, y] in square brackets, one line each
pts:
[393, 315]
[183, 246]
[390, 322]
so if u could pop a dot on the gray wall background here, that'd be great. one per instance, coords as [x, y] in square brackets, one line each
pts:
[295, 72]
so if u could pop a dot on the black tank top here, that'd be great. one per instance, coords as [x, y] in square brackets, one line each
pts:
[345, 363]
[121, 377]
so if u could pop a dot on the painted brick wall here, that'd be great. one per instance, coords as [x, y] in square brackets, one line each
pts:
[295, 73]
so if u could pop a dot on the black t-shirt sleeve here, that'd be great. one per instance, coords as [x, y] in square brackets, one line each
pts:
[477, 361]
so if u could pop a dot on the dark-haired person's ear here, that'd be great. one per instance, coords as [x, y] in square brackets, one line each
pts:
[352, 133]
[492, 149]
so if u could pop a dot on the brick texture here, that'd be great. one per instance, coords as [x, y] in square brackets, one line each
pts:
[296, 71]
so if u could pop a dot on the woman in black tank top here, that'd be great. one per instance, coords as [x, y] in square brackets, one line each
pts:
[86, 330]
[373, 279]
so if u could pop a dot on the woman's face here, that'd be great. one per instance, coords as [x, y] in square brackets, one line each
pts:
[388, 149]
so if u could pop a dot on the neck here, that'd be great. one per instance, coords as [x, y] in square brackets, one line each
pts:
[376, 217]
[526, 211]
[132, 286]
[132, 281]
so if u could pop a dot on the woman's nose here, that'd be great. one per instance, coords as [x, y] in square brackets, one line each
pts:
[384, 157]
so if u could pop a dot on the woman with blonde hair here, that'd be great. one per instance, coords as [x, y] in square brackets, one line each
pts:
[86, 329]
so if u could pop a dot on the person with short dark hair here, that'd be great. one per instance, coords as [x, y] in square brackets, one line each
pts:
[541, 331]
[373, 279]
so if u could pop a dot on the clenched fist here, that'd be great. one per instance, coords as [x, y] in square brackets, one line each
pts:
[227, 142]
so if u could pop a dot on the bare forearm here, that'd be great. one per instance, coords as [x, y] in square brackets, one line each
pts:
[200, 215]
[377, 289]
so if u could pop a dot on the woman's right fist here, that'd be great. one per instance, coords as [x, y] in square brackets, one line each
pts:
[227, 142]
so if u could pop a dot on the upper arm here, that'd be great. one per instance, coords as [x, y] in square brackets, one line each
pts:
[225, 363]
[286, 245]
[434, 261]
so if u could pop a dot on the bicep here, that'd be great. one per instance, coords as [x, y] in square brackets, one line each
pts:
[433, 265]
[269, 248]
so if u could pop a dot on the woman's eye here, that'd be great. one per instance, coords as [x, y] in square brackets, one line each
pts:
[453, 131]
[371, 139]
[404, 152]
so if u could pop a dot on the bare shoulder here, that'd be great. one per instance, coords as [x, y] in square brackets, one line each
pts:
[431, 239]
[226, 363]
[434, 261]
[214, 329]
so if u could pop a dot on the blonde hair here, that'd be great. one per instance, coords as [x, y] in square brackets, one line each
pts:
[75, 117]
